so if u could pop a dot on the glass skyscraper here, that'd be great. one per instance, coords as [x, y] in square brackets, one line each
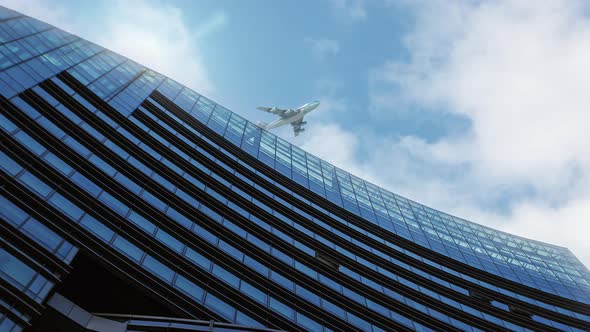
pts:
[131, 203]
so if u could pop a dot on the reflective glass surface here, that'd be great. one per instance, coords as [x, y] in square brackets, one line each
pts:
[244, 231]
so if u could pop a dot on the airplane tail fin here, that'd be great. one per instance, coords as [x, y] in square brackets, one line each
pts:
[261, 124]
[262, 108]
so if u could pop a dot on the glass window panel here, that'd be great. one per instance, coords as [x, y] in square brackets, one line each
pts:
[11, 211]
[8, 165]
[142, 222]
[43, 234]
[158, 268]
[97, 228]
[18, 273]
[35, 184]
[196, 257]
[128, 248]
[189, 288]
[86, 184]
[281, 308]
[26, 107]
[245, 320]
[114, 203]
[253, 292]
[226, 276]
[220, 307]
[6, 124]
[178, 217]
[169, 240]
[29, 142]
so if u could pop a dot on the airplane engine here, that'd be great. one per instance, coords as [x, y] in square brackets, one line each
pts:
[303, 123]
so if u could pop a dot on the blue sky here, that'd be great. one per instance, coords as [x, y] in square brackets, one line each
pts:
[475, 108]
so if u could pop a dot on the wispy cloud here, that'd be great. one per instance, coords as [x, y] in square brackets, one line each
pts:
[153, 34]
[518, 72]
[211, 25]
[41, 10]
[354, 10]
[169, 48]
[322, 48]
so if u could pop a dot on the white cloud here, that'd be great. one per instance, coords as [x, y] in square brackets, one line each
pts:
[322, 48]
[519, 72]
[354, 10]
[217, 21]
[333, 104]
[152, 34]
[167, 48]
[40, 10]
[332, 141]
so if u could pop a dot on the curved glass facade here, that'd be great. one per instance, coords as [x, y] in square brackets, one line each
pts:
[103, 156]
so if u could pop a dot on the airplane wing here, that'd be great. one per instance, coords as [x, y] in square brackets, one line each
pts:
[298, 127]
[272, 110]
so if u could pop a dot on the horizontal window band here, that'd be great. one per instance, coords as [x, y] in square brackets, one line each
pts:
[314, 243]
[379, 295]
[30, 261]
[24, 304]
[59, 149]
[34, 250]
[115, 261]
[404, 243]
[149, 160]
[318, 230]
[429, 269]
[16, 317]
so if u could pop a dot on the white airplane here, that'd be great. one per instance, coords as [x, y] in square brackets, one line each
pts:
[288, 116]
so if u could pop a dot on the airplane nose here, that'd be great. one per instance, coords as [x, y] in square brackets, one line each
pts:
[311, 106]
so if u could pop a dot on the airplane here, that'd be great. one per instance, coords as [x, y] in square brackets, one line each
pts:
[288, 116]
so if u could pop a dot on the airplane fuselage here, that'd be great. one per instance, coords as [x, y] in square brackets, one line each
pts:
[293, 115]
